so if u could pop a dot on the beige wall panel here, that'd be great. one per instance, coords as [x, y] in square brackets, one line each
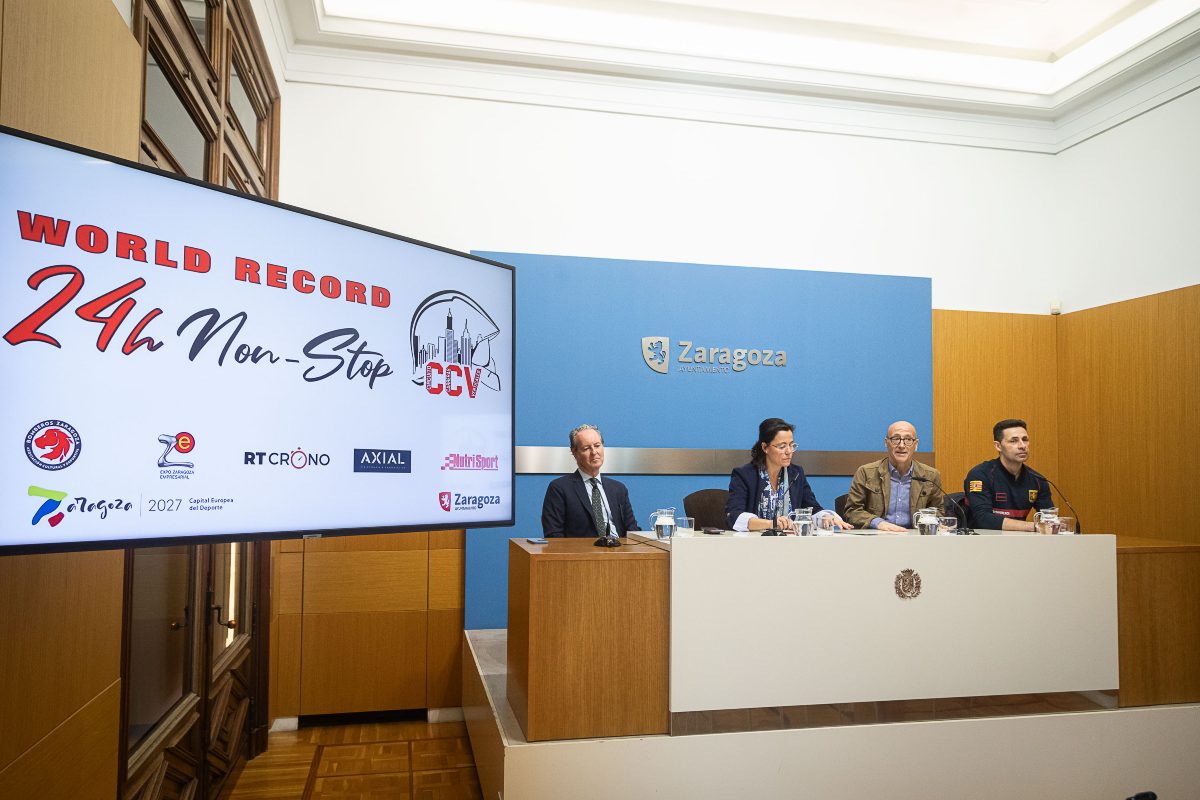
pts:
[290, 545]
[444, 678]
[72, 70]
[1128, 380]
[285, 657]
[445, 579]
[441, 540]
[77, 760]
[988, 367]
[62, 645]
[378, 581]
[363, 662]
[415, 540]
[288, 587]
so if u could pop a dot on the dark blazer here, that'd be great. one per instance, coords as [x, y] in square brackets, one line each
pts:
[567, 508]
[745, 488]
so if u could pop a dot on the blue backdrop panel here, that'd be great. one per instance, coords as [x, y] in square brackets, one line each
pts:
[859, 356]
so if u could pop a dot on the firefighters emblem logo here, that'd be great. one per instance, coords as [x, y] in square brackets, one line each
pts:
[908, 584]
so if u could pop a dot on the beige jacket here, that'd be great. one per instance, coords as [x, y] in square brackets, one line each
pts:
[870, 492]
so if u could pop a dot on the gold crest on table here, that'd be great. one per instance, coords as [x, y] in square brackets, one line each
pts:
[908, 584]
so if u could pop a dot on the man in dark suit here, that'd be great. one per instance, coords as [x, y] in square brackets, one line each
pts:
[582, 504]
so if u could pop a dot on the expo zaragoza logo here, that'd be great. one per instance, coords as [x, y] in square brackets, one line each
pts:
[695, 357]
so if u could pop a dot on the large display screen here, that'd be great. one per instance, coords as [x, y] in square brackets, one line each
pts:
[182, 361]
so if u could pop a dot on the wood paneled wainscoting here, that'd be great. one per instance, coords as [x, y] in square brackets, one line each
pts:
[367, 623]
[1110, 395]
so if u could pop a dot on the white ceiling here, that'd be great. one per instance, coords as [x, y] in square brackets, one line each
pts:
[1036, 61]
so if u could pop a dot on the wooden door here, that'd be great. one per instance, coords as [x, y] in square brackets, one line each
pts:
[193, 669]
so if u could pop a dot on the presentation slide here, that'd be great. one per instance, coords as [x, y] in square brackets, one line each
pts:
[180, 361]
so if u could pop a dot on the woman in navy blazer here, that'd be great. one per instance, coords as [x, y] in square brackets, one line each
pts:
[763, 492]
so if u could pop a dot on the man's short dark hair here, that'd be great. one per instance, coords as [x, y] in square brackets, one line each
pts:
[1000, 427]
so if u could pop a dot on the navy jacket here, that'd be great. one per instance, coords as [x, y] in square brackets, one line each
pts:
[745, 488]
[567, 508]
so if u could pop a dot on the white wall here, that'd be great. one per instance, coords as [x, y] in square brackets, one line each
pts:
[1130, 214]
[996, 230]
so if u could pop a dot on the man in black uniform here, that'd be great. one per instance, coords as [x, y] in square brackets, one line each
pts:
[1001, 492]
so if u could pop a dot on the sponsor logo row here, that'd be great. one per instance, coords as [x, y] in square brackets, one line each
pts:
[54, 445]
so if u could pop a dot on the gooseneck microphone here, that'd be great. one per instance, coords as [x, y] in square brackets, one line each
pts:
[960, 514]
[1078, 521]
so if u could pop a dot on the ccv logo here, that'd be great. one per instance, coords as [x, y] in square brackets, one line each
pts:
[656, 350]
[451, 341]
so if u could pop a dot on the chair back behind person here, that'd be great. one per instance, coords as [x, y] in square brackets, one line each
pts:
[839, 505]
[707, 507]
[954, 504]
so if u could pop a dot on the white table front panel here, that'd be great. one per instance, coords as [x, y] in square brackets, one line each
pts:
[776, 621]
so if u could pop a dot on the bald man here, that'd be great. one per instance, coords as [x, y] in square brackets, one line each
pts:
[885, 494]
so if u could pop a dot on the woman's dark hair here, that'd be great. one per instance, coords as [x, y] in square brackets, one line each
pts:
[768, 429]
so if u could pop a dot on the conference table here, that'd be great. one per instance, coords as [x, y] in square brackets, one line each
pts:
[716, 631]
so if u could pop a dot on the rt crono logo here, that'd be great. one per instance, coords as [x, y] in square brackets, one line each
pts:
[296, 459]
[52, 444]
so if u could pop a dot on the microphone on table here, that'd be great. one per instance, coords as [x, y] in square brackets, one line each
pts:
[960, 514]
[1078, 521]
[609, 538]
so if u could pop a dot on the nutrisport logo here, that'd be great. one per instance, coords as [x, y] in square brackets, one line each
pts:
[451, 338]
[52, 445]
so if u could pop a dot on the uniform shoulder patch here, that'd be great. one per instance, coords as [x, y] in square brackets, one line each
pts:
[1033, 495]
[976, 486]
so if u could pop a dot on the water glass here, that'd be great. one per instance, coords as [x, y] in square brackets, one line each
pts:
[685, 524]
[947, 526]
[801, 519]
[1066, 526]
[825, 525]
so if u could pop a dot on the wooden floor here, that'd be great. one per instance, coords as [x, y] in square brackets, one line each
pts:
[373, 761]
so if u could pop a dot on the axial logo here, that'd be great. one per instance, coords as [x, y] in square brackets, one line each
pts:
[453, 501]
[52, 444]
[296, 459]
[372, 460]
[471, 462]
[168, 470]
[52, 499]
[451, 337]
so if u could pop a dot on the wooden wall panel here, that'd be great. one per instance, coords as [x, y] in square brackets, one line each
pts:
[988, 367]
[72, 70]
[445, 579]
[78, 759]
[415, 540]
[288, 589]
[443, 681]
[1130, 425]
[285, 680]
[62, 645]
[358, 581]
[363, 662]
[1158, 624]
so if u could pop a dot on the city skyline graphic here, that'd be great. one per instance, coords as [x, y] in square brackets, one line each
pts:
[451, 328]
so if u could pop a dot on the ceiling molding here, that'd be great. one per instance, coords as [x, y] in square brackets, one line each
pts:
[1153, 72]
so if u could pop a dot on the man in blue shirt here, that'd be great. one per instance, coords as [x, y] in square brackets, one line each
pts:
[886, 494]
